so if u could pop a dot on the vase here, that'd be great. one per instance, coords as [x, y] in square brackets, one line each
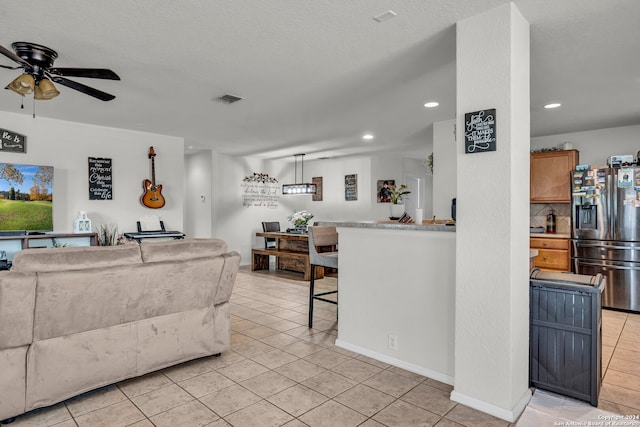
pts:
[303, 228]
[396, 210]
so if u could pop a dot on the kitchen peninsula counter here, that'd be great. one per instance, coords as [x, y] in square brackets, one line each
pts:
[397, 294]
[426, 225]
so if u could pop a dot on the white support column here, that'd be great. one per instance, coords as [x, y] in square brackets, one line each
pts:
[492, 238]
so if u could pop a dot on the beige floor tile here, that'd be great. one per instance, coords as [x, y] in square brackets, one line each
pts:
[624, 354]
[72, 423]
[617, 408]
[48, 416]
[279, 340]
[262, 414]
[192, 414]
[407, 374]
[301, 331]
[284, 325]
[242, 325]
[96, 399]
[243, 370]
[327, 358]
[267, 384]
[371, 423]
[323, 338]
[300, 370]
[448, 423]
[609, 340]
[471, 418]
[274, 359]
[364, 399]
[328, 383]
[430, 398]
[230, 399]
[144, 384]
[297, 400]
[624, 396]
[302, 348]
[206, 383]
[120, 414]
[225, 359]
[401, 413]
[373, 362]
[437, 384]
[260, 332]
[332, 414]
[607, 353]
[143, 423]
[238, 339]
[630, 333]
[391, 383]
[357, 370]
[252, 348]
[295, 423]
[187, 370]
[161, 400]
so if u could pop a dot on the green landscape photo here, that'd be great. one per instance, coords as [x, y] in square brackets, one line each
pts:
[26, 197]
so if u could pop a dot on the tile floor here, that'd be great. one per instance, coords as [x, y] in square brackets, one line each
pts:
[278, 372]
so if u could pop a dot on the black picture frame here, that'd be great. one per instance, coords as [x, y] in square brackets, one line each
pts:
[480, 131]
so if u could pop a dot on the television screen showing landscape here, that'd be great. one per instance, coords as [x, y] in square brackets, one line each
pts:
[26, 197]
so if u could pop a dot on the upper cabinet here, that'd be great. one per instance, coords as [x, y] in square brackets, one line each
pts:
[550, 176]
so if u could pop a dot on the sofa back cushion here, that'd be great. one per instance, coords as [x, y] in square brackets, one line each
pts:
[75, 258]
[178, 250]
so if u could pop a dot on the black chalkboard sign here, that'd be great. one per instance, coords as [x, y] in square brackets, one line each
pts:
[100, 179]
[480, 131]
[351, 187]
[12, 142]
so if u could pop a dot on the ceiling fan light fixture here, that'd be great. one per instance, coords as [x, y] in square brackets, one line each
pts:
[23, 84]
[46, 90]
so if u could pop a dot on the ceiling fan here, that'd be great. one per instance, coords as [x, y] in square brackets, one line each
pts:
[37, 63]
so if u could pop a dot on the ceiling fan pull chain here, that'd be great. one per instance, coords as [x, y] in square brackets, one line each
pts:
[34, 106]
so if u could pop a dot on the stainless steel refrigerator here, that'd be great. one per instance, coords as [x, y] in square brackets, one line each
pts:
[606, 231]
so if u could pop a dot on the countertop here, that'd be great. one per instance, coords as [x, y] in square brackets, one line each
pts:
[391, 225]
[551, 235]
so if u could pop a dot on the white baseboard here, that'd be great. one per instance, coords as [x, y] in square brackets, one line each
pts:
[505, 414]
[438, 376]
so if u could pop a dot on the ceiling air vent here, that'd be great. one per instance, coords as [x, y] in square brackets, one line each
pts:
[228, 99]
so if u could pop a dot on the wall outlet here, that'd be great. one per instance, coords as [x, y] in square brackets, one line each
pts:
[393, 342]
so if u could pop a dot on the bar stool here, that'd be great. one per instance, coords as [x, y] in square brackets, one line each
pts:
[321, 237]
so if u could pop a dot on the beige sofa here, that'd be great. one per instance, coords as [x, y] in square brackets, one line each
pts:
[78, 318]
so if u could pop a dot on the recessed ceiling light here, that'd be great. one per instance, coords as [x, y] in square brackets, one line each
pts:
[552, 105]
[367, 136]
[385, 16]
[431, 104]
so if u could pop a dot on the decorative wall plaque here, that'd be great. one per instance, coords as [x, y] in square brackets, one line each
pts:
[100, 179]
[12, 142]
[351, 187]
[480, 131]
[318, 182]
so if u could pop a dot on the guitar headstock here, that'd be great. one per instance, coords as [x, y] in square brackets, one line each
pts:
[152, 152]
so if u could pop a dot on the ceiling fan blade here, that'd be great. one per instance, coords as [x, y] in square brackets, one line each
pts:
[8, 67]
[9, 54]
[93, 73]
[103, 96]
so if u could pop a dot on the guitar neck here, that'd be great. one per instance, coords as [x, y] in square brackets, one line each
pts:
[153, 171]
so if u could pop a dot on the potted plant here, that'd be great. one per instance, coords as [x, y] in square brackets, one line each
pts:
[397, 202]
[300, 220]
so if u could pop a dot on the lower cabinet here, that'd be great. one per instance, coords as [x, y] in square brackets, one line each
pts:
[554, 254]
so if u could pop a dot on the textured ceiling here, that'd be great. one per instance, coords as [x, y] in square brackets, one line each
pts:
[317, 74]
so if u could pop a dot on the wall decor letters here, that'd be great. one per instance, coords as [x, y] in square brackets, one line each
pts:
[480, 131]
[260, 191]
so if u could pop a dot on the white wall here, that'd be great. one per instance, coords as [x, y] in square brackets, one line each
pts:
[595, 146]
[444, 167]
[67, 146]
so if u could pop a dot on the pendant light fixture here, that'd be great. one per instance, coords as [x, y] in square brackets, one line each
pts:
[302, 188]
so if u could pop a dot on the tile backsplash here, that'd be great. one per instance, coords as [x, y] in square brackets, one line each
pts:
[538, 216]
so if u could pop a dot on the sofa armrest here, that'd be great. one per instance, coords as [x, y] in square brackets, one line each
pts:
[227, 277]
[17, 306]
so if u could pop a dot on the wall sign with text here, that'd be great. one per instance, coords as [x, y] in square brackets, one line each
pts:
[480, 131]
[12, 142]
[100, 179]
[351, 187]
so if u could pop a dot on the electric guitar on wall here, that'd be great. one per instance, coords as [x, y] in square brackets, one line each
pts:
[152, 197]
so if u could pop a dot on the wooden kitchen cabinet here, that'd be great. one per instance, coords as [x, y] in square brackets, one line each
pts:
[554, 254]
[550, 176]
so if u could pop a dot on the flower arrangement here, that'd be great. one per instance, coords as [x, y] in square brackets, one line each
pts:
[398, 192]
[300, 218]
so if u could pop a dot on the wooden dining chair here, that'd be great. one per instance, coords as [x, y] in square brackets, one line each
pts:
[270, 242]
[321, 237]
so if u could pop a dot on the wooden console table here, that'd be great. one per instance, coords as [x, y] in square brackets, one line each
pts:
[291, 252]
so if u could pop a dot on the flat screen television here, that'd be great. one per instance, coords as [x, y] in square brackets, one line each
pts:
[26, 198]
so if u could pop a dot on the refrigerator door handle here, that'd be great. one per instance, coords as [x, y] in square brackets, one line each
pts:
[604, 265]
[607, 246]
